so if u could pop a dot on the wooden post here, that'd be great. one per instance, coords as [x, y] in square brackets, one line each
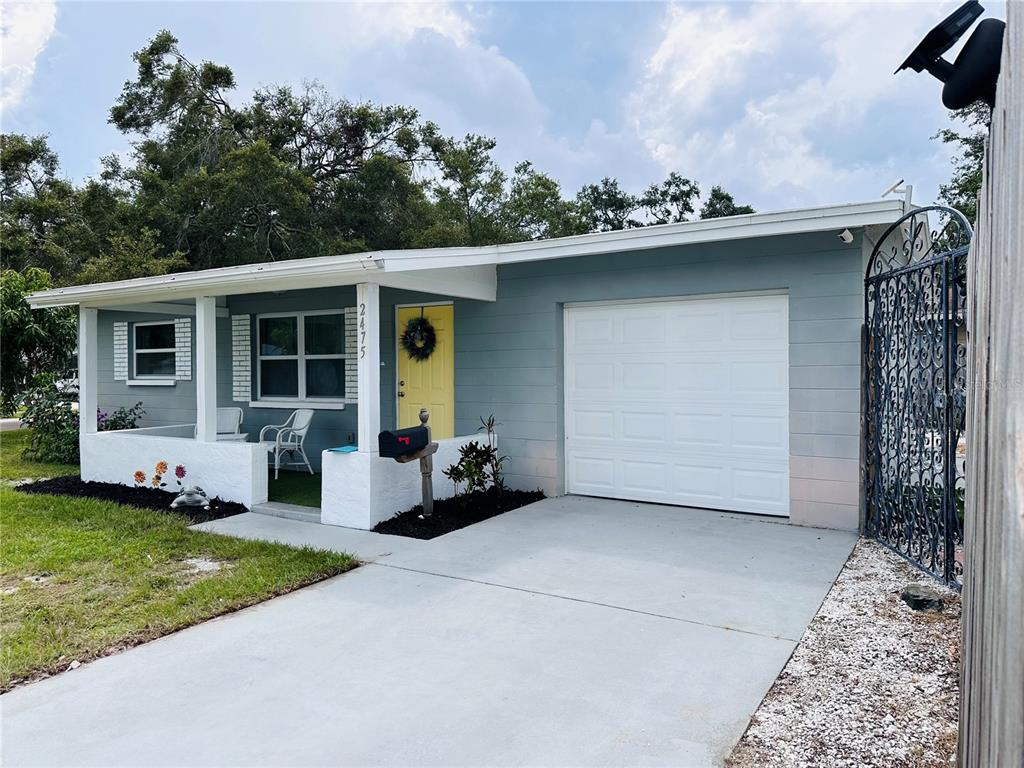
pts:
[992, 652]
[427, 468]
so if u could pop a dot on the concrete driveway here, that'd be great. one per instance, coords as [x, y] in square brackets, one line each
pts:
[571, 632]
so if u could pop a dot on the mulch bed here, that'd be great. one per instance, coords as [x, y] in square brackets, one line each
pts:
[140, 498]
[455, 513]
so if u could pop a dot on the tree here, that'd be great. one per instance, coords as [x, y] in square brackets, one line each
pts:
[606, 206]
[131, 256]
[720, 203]
[39, 222]
[34, 340]
[469, 194]
[961, 192]
[671, 201]
[534, 208]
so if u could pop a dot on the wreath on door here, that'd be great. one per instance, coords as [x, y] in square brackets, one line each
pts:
[419, 338]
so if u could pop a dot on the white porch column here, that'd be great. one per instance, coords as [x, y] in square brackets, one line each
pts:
[88, 369]
[368, 364]
[206, 368]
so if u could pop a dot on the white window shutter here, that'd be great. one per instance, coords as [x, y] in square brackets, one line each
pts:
[120, 351]
[241, 358]
[351, 332]
[183, 348]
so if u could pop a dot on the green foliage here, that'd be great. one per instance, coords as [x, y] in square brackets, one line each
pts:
[479, 466]
[216, 178]
[129, 256]
[962, 190]
[120, 418]
[33, 341]
[50, 414]
[720, 203]
[15, 465]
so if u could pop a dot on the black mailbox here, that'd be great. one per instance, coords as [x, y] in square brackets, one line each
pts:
[402, 442]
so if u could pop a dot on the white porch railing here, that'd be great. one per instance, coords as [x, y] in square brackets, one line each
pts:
[232, 470]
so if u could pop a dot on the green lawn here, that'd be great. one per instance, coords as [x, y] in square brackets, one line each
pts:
[299, 488]
[81, 577]
[14, 466]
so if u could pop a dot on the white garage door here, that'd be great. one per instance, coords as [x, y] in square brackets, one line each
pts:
[681, 402]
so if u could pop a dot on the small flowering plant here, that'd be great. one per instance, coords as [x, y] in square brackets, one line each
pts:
[161, 469]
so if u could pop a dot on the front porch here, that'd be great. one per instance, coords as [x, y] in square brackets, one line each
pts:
[327, 349]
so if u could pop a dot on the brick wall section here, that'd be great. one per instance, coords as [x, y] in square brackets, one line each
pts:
[120, 351]
[351, 379]
[183, 348]
[241, 358]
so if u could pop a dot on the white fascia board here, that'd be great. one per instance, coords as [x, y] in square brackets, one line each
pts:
[802, 221]
[433, 265]
[224, 281]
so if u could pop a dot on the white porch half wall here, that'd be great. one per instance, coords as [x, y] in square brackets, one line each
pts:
[232, 470]
[361, 489]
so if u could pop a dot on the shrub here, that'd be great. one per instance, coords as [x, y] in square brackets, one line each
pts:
[50, 414]
[120, 418]
[479, 466]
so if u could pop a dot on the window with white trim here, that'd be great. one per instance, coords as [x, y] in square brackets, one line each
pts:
[301, 356]
[155, 350]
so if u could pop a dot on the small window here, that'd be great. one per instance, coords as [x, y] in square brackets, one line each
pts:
[155, 352]
[301, 356]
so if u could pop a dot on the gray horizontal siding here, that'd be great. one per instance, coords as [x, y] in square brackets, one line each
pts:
[509, 353]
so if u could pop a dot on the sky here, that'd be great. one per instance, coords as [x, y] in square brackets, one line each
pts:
[785, 104]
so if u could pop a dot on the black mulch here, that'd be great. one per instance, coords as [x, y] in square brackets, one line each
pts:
[138, 497]
[458, 512]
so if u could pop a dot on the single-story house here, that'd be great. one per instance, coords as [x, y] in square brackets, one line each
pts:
[711, 364]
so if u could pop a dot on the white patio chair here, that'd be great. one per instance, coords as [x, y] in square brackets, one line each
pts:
[229, 421]
[289, 439]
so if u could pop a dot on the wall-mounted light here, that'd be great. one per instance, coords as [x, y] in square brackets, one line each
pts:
[972, 77]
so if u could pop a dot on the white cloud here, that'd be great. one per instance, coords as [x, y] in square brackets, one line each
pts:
[790, 103]
[25, 29]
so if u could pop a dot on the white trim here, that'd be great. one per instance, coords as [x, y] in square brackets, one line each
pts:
[446, 303]
[475, 276]
[300, 358]
[135, 351]
[317, 405]
[151, 382]
[681, 297]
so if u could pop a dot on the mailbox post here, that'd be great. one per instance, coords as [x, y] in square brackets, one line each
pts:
[405, 445]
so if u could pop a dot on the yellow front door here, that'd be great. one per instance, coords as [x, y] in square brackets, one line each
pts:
[428, 383]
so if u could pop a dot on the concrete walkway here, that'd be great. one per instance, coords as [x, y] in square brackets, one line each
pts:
[571, 632]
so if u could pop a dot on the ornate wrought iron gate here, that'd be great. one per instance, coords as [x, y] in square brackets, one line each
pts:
[915, 359]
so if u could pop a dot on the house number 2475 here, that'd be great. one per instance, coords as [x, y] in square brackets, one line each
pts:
[362, 331]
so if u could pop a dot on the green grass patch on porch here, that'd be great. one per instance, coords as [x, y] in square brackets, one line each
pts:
[80, 578]
[299, 488]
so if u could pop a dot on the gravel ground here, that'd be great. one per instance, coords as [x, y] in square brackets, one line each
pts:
[872, 683]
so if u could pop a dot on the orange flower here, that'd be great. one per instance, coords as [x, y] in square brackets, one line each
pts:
[155, 482]
[161, 467]
[140, 476]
